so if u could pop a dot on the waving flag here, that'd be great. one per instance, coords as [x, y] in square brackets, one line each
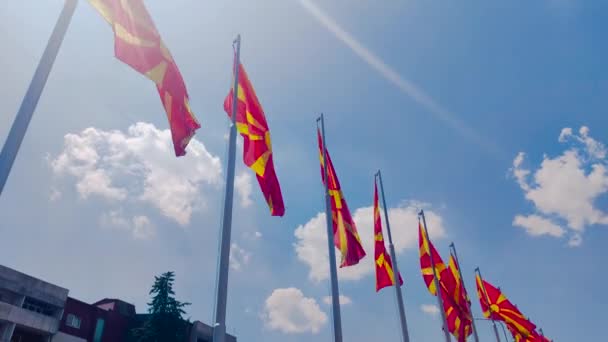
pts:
[138, 44]
[458, 317]
[533, 337]
[425, 249]
[346, 237]
[257, 150]
[456, 302]
[384, 267]
[459, 322]
[498, 307]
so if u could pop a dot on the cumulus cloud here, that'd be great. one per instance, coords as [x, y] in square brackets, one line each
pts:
[238, 257]
[594, 148]
[430, 309]
[537, 225]
[139, 226]
[243, 186]
[138, 165]
[521, 174]
[311, 239]
[344, 300]
[289, 311]
[565, 188]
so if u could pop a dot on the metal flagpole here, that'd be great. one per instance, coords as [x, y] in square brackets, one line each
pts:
[333, 272]
[219, 329]
[489, 306]
[30, 100]
[453, 247]
[436, 280]
[404, 332]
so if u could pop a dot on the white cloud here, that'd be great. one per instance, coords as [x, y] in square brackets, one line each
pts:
[565, 134]
[55, 195]
[576, 240]
[142, 228]
[97, 182]
[238, 257]
[344, 300]
[536, 225]
[430, 309]
[243, 186]
[565, 187]
[139, 165]
[520, 173]
[311, 244]
[594, 148]
[289, 311]
[139, 226]
[252, 236]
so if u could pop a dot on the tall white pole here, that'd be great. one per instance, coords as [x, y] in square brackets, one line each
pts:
[333, 271]
[402, 319]
[485, 293]
[436, 280]
[219, 329]
[30, 100]
[453, 247]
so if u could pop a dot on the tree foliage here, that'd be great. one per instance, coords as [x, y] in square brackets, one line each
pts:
[164, 321]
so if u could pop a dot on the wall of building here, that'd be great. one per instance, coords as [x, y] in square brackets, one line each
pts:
[115, 325]
[28, 318]
[28, 286]
[63, 337]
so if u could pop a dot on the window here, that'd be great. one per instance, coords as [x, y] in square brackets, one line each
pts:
[98, 330]
[35, 305]
[73, 321]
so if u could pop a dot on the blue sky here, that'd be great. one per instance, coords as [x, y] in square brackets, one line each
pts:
[442, 97]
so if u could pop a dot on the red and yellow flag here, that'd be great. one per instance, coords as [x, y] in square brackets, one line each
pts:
[455, 302]
[426, 248]
[518, 337]
[346, 237]
[138, 44]
[384, 267]
[498, 307]
[459, 321]
[257, 149]
[453, 296]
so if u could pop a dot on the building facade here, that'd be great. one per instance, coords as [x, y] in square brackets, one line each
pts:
[32, 310]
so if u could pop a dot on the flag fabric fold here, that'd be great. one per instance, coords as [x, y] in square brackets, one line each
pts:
[425, 250]
[346, 237]
[453, 296]
[456, 302]
[138, 44]
[384, 267]
[257, 148]
[496, 306]
[533, 337]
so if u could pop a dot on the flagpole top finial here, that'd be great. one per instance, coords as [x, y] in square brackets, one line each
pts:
[452, 244]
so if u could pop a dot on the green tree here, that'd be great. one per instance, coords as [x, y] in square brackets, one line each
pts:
[164, 322]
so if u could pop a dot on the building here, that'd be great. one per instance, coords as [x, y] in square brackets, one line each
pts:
[32, 310]
[108, 320]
